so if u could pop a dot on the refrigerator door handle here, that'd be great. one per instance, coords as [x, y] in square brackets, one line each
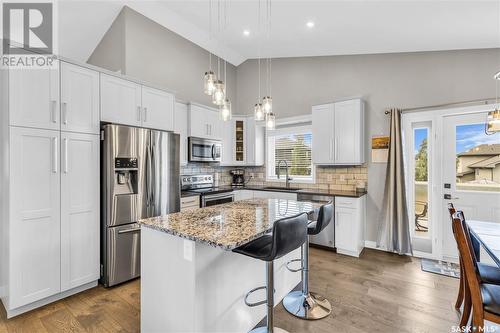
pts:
[148, 174]
[152, 187]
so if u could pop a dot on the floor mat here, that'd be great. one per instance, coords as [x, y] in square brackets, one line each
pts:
[440, 267]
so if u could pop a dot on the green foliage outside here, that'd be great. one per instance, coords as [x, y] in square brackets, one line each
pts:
[421, 162]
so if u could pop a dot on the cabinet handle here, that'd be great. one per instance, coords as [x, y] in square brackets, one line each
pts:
[65, 155]
[65, 112]
[53, 110]
[145, 114]
[54, 155]
[209, 129]
[336, 148]
[138, 113]
[331, 149]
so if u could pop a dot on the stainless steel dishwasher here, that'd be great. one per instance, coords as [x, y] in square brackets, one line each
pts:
[326, 238]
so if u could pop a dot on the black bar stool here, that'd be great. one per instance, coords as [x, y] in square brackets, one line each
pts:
[287, 235]
[302, 303]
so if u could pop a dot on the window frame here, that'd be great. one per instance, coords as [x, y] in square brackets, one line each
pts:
[270, 156]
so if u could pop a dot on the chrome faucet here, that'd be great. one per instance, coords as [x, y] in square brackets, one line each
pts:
[288, 178]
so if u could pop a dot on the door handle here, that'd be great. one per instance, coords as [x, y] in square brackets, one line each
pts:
[65, 155]
[65, 112]
[53, 109]
[449, 197]
[145, 114]
[126, 231]
[54, 155]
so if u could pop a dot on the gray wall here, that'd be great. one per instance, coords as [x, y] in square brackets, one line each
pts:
[384, 80]
[110, 52]
[152, 53]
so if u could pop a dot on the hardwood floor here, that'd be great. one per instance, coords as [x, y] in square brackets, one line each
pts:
[380, 292]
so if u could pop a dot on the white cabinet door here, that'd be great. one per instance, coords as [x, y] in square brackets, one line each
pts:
[158, 109]
[79, 209]
[275, 195]
[348, 133]
[243, 195]
[79, 99]
[227, 157]
[345, 220]
[214, 125]
[34, 98]
[197, 121]
[255, 143]
[181, 127]
[35, 215]
[322, 138]
[120, 101]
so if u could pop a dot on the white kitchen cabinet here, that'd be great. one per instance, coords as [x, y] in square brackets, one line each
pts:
[204, 122]
[181, 127]
[79, 99]
[338, 133]
[157, 109]
[79, 209]
[120, 101]
[243, 195]
[255, 146]
[322, 128]
[34, 204]
[243, 142]
[33, 97]
[274, 195]
[350, 215]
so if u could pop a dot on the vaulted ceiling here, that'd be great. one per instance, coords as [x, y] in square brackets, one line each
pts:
[340, 27]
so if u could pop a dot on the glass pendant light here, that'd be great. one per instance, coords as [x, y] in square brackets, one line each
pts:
[219, 93]
[209, 85]
[271, 121]
[493, 122]
[267, 104]
[225, 110]
[258, 112]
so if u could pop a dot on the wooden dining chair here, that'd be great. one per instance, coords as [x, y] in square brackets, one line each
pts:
[487, 273]
[482, 298]
[461, 286]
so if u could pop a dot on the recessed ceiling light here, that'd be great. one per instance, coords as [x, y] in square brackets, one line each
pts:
[246, 32]
[310, 24]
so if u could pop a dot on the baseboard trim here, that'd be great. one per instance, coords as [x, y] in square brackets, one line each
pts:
[373, 245]
[45, 301]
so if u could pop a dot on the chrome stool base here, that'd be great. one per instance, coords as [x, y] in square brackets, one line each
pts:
[263, 329]
[310, 306]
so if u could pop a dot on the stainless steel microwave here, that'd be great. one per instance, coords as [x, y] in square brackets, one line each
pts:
[204, 150]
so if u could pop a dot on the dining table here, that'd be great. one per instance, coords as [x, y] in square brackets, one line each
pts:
[488, 235]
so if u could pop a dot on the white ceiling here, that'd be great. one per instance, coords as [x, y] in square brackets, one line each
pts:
[341, 27]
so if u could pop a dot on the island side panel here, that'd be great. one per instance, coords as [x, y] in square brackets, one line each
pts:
[167, 283]
[222, 280]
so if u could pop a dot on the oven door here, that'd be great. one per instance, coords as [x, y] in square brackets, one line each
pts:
[216, 199]
[202, 150]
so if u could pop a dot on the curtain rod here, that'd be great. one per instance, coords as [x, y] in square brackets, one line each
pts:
[485, 101]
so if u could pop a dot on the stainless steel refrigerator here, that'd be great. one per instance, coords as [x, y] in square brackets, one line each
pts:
[139, 179]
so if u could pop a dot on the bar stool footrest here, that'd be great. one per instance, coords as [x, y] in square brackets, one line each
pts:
[255, 303]
[294, 270]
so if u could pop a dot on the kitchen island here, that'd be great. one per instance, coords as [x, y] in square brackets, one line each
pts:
[191, 281]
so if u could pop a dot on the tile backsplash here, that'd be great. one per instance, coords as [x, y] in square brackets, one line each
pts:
[327, 177]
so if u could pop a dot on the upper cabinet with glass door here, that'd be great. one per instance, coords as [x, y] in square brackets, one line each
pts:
[338, 134]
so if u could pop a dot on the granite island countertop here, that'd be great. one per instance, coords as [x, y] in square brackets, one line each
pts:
[230, 225]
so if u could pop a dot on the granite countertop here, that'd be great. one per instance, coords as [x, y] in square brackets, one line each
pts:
[333, 193]
[230, 225]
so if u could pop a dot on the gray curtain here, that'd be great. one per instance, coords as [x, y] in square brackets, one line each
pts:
[394, 231]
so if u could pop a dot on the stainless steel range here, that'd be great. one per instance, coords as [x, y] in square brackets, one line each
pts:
[204, 186]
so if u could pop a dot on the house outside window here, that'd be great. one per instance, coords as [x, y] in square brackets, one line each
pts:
[292, 144]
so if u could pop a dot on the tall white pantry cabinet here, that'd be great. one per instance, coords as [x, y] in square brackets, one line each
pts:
[49, 184]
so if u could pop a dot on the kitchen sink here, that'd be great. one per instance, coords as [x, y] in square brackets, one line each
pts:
[277, 188]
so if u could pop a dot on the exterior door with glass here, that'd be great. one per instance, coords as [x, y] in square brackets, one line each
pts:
[470, 173]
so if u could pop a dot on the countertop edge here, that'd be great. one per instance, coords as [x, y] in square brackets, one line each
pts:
[346, 194]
